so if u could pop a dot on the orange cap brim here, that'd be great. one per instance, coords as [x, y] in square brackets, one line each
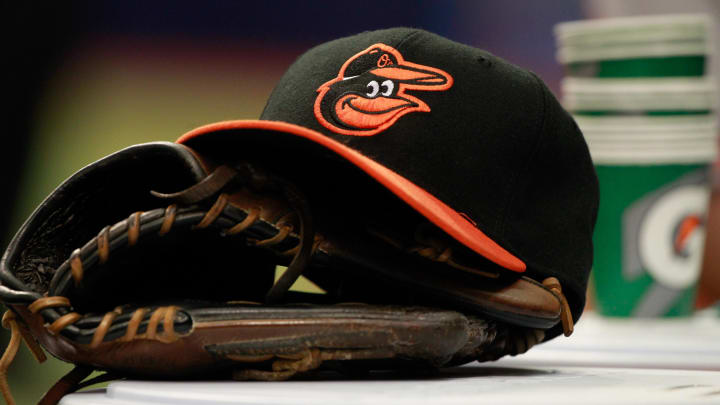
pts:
[422, 201]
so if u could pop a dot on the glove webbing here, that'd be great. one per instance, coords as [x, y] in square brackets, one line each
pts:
[57, 309]
[74, 269]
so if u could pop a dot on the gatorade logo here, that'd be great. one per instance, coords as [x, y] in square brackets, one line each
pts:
[672, 235]
[664, 237]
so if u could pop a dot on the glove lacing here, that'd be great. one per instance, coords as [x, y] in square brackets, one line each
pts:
[159, 316]
[165, 316]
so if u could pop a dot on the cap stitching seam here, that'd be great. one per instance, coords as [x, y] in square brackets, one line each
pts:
[406, 38]
[523, 173]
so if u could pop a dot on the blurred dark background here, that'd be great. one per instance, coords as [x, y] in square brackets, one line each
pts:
[86, 78]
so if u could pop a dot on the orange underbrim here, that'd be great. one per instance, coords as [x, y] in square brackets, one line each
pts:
[425, 203]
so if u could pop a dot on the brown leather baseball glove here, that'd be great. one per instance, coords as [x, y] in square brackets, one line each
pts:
[158, 261]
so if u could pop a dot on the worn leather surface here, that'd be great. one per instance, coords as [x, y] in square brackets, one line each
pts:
[414, 308]
[241, 336]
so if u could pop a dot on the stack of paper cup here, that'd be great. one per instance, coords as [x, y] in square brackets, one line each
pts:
[639, 91]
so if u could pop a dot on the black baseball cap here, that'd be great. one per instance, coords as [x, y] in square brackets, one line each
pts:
[478, 146]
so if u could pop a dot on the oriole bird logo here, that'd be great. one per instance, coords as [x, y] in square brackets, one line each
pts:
[368, 95]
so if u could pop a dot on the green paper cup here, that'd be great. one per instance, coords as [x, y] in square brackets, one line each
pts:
[649, 238]
[647, 46]
[638, 89]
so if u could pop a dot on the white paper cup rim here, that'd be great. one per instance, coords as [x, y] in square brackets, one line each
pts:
[669, 94]
[661, 125]
[671, 85]
[585, 53]
[667, 26]
[651, 157]
[634, 37]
